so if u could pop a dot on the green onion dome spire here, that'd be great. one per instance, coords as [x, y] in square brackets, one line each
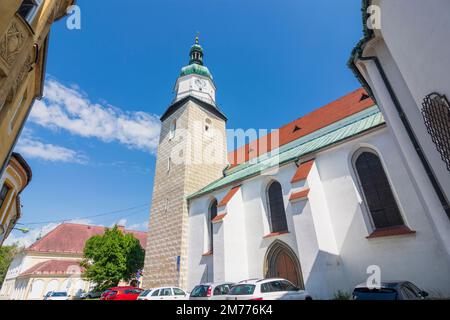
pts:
[196, 53]
[196, 62]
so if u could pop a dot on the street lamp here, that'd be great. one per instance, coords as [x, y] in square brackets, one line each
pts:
[23, 230]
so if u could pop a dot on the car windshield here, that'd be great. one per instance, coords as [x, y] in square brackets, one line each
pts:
[144, 293]
[375, 294]
[242, 289]
[59, 294]
[200, 291]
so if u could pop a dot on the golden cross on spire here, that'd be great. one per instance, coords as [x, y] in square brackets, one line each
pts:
[196, 38]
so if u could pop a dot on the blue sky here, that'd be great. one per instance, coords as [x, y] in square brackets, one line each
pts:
[91, 141]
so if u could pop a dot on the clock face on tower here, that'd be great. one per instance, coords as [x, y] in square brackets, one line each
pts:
[200, 83]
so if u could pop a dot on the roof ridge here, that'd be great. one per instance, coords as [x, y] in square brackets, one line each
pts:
[268, 156]
[344, 110]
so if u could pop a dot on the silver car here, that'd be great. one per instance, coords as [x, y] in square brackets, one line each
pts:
[211, 291]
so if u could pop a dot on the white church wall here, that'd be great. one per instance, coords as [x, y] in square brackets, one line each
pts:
[235, 240]
[328, 231]
[399, 257]
[416, 59]
[200, 266]
[257, 218]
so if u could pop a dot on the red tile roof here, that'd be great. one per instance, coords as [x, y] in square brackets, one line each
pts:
[318, 119]
[70, 238]
[55, 267]
[302, 171]
[229, 196]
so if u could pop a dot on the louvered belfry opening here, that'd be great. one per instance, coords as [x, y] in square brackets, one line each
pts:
[436, 115]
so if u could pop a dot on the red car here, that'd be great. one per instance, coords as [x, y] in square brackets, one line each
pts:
[121, 293]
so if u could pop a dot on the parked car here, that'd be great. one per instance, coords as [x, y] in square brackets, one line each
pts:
[391, 290]
[105, 294]
[90, 295]
[164, 293]
[211, 291]
[57, 295]
[267, 289]
[121, 293]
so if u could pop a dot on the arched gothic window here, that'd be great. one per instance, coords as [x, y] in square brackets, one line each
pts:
[377, 191]
[212, 215]
[276, 208]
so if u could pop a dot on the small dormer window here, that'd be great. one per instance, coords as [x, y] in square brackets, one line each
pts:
[28, 9]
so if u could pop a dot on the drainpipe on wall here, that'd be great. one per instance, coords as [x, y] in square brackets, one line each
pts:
[428, 170]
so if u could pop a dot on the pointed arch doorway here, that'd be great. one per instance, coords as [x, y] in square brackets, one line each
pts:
[282, 262]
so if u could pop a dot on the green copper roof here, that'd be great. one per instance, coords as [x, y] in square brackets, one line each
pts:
[339, 131]
[196, 47]
[195, 69]
[196, 62]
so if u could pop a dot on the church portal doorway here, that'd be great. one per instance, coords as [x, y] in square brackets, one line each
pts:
[282, 262]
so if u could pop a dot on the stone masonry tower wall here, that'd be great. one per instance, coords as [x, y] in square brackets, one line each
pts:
[191, 154]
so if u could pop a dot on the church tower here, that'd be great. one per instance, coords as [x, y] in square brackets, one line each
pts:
[192, 153]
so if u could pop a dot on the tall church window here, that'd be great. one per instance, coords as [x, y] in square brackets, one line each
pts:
[212, 214]
[276, 208]
[378, 195]
[173, 128]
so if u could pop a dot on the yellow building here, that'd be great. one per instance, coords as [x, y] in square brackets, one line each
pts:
[16, 177]
[24, 30]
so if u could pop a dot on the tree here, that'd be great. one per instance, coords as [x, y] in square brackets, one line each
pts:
[7, 254]
[112, 257]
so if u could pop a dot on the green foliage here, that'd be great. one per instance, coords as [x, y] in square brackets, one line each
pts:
[7, 254]
[112, 257]
[342, 295]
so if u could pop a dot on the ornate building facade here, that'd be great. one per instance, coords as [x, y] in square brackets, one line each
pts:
[16, 177]
[24, 39]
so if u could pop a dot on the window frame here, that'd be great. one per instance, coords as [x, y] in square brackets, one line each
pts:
[365, 205]
[269, 209]
[211, 224]
[31, 14]
[8, 192]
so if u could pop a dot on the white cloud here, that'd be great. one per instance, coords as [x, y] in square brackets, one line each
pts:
[70, 109]
[142, 226]
[31, 148]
